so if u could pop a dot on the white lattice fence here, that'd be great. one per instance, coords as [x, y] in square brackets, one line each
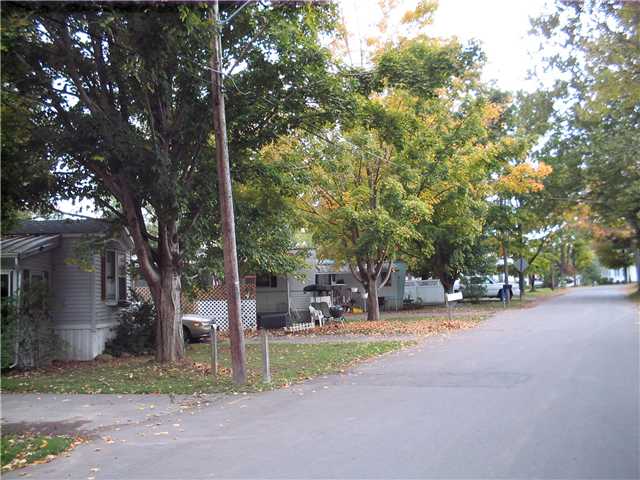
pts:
[212, 303]
[217, 311]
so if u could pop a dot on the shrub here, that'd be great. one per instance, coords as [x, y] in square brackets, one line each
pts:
[135, 331]
[473, 291]
[35, 343]
[8, 332]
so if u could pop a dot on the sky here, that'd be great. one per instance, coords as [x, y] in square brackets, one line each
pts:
[500, 25]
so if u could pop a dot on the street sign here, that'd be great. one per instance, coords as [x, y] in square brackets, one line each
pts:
[521, 264]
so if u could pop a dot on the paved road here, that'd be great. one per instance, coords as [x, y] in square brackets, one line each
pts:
[548, 392]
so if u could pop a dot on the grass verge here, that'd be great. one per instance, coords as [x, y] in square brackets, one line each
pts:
[290, 363]
[21, 450]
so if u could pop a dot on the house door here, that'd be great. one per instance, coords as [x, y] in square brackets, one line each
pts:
[7, 284]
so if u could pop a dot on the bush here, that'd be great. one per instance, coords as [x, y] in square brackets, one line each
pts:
[473, 291]
[8, 332]
[135, 331]
[32, 338]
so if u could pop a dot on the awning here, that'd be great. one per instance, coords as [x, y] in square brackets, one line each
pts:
[23, 246]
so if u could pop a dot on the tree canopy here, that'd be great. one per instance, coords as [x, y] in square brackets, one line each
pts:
[125, 92]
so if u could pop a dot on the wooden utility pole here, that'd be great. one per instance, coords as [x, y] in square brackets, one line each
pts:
[231, 277]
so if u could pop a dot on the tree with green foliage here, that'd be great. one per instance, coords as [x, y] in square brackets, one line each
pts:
[125, 89]
[597, 56]
[28, 183]
[615, 250]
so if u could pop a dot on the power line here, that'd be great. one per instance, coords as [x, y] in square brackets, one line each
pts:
[228, 20]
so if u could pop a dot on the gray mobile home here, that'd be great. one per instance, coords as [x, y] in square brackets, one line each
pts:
[85, 265]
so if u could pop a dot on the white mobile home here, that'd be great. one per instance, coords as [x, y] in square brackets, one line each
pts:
[280, 294]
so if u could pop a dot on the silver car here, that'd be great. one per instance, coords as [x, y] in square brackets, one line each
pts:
[195, 327]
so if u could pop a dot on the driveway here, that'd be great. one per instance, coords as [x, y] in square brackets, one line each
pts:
[547, 392]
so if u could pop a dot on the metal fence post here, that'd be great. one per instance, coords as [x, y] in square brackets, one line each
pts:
[266, 367]
[214, 350]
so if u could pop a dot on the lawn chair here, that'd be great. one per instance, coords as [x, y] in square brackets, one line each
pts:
[335, 314]
[316, 315]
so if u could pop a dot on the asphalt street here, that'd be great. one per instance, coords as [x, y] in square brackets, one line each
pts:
[546, 392]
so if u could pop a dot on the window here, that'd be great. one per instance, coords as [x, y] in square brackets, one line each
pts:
[114, 277]
[325, 278]
[266, 280]
[122, 277]
[383, 275]
[111, 294]
[26, 280]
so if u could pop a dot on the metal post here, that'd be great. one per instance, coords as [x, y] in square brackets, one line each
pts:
[266, 367]
[214, 350]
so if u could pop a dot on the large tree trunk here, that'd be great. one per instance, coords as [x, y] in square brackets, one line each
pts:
[626, 274]
[169, 342]
[636, 249]
[161, 270]
[166, 296]
[373, 309]
[521, 283]
[447, 281]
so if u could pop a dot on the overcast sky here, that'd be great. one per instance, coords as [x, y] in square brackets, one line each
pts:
[500, 25]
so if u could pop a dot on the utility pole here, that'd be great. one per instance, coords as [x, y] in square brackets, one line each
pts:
[231, 277]
[505, 266]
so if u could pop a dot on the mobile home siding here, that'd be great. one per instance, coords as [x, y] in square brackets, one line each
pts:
[40, 262]
[83, 319]
[72, 287]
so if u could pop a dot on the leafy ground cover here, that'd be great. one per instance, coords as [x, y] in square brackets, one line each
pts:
[290, 363]
[393, 326]
[434, 318]
[425, 321]
[20, 450]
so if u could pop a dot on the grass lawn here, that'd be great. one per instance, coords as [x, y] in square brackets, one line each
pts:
[290, 363]
[21, 450]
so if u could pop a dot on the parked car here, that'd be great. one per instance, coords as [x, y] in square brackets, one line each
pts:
[195, 327]
[493, 288]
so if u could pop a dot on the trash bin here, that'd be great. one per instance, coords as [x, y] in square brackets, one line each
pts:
[273, 321]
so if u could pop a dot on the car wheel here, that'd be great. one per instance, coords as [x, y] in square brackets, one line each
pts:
[186, 334]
